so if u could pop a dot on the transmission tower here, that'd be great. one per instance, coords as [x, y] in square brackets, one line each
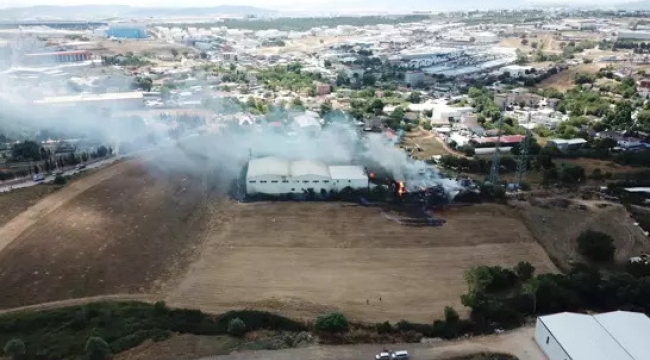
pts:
[522, 161]
[496, 158]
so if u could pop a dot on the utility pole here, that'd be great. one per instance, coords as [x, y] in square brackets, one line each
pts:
[496, 158]
[522, 161]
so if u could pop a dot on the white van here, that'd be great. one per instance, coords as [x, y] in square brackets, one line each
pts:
[401, 355]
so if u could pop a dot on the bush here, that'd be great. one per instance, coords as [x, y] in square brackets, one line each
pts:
[15, 348]
[236, 327]
[59, 180]
[332, 323]
[468, 150]
[97, 349]
[384, 328]
[524, 270]
[596, 246]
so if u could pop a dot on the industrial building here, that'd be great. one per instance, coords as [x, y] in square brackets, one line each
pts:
[619, 335]
[307, 125]
[567, 144]
[110, 101]
[633, 35]
[57, 57]
[127, 30]
[276, 176]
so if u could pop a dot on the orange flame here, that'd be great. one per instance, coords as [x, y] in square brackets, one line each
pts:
[400, 189]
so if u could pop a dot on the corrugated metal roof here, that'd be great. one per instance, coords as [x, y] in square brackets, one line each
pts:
[348, 173]
[268, 166]
[309, 167]
[630, 330]
[584, 338]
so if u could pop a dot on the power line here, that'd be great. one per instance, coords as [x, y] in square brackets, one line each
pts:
[522, 161]
[496, 158]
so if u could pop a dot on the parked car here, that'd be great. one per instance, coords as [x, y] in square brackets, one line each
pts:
[39, 177]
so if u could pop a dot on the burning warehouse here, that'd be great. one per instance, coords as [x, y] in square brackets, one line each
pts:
[272, 175]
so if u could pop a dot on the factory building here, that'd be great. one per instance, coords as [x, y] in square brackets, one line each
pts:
[414, 78]
[634, 35]
[619, 335]
[57, 57]
[127, 31]
[276, 176]
[110, 101]
[307, 125]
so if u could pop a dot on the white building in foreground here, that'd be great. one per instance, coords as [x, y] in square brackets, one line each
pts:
[619, 335]
[271, 175]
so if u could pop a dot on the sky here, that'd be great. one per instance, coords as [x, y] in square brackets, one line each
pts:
[259, 3]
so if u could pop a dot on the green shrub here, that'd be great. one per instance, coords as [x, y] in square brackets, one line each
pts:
[59, 180]
[384, 328]
[97, 349]
[236, 327]
[332, 323]
[15, 348]
[596, 246]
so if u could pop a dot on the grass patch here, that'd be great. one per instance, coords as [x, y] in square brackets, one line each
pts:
[62, 333]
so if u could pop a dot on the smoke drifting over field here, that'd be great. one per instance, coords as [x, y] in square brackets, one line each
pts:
[228, 150]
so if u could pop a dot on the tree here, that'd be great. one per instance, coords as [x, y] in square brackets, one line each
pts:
[596, 246]
[451, 316]
[524, 42]
[376, 106]
[84, 156]
[174, 52]
[327, 63]
[414, 97]
[236, 327]
[397, 114]
[368, 79]
[530, 288]
[572, 175]
[97, 349]
[15, 348]
[332, 323]
[102, 151]
[468, 150]
[59, 180]
[524, 270]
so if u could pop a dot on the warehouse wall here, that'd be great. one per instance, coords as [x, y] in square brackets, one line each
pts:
[551, 348]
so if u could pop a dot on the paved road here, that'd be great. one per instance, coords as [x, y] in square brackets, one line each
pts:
[518, 342]
[50, 178]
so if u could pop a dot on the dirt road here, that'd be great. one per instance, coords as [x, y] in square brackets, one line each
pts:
[518, 342]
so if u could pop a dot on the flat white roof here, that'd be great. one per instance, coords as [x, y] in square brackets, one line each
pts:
[348, 173]
[268, 166]
[309, 167]
[583, 338]
[90, 97]
[306, 120]
[630, 330]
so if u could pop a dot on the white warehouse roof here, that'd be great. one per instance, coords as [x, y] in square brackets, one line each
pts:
[268, 166]
[309, 167]
[616, 335]
[348, 173]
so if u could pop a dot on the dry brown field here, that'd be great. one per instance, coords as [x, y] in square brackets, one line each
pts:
[302, 259]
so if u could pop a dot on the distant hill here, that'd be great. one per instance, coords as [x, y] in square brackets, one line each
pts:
[111, 11]
[634, 5]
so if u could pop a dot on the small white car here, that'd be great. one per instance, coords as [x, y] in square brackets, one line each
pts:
[382, 356]
[399, 355]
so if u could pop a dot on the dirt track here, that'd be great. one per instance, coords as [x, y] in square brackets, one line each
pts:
[519, 343]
